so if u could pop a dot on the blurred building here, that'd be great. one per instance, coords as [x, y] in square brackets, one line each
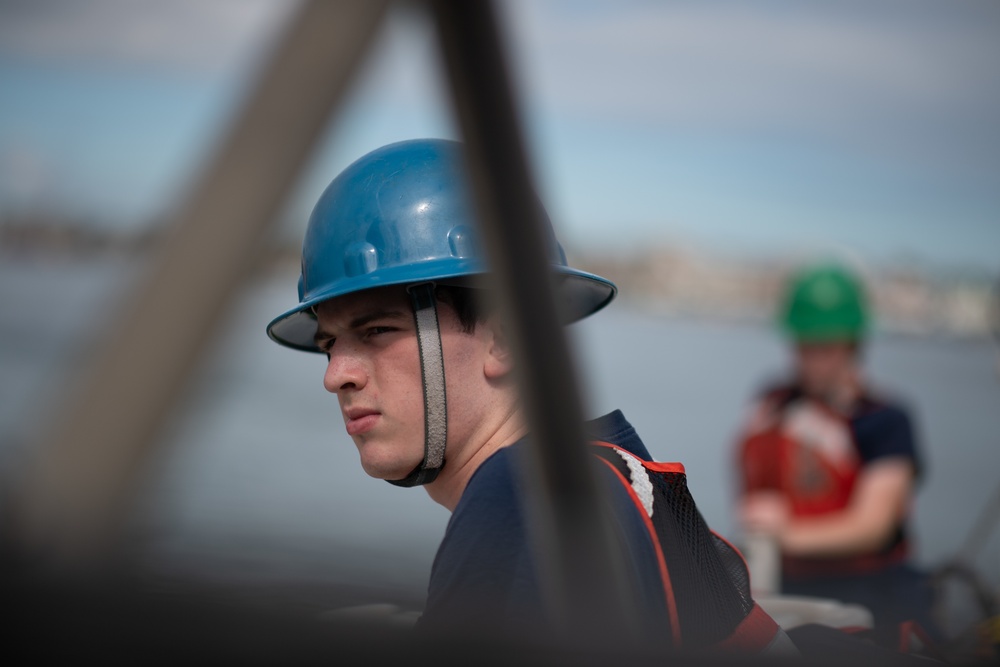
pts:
[908, 299]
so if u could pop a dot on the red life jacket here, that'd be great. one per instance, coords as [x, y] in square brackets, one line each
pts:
[806, 451]
[706, 585]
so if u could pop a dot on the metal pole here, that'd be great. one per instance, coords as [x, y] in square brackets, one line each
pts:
[75, 496]
[589, 593]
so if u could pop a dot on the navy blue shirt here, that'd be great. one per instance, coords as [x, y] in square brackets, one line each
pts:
[484, 573]
[894, 592]
[881, 429]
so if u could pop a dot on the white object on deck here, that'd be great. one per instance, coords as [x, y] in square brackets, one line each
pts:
[763, 558]
[790, 611]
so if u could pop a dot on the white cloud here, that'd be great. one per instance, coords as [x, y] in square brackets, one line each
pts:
[746, 64]
[909, 82]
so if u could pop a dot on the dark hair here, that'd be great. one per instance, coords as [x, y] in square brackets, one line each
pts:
[465, 302]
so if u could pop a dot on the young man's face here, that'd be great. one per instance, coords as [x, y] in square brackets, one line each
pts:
[374, 369]
[823, 367]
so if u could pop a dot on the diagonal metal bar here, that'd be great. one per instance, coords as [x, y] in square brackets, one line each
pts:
[588, 590]
[74, 498]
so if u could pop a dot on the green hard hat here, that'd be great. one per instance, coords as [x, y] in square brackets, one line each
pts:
[825, 303]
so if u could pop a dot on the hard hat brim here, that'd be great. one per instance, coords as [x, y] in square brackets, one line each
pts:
[578, 295]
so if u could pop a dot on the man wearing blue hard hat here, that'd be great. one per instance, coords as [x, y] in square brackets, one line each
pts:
[391, 292]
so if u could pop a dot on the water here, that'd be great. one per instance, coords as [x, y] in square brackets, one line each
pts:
[256, 480]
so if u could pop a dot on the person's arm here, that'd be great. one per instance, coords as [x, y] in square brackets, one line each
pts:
[879, 502]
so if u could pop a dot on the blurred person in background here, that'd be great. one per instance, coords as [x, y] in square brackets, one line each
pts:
[828, 463]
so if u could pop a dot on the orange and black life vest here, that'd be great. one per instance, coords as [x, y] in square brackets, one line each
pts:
[807, 451]
[706, 585]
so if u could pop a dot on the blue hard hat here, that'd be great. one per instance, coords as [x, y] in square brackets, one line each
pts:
[401, 215]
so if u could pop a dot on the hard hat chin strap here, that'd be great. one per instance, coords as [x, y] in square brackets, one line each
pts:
[432, 374]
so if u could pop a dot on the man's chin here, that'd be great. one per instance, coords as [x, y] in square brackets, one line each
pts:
[387, 470]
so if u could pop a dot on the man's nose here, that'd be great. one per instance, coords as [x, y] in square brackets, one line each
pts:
[344, 371]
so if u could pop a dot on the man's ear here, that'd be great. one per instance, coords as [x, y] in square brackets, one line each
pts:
[499, 359]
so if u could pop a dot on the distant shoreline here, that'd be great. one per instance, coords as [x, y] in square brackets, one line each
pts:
[908, 299]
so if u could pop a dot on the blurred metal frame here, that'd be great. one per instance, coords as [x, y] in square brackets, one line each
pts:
[70, 506]
[587, 588]
[73, 500]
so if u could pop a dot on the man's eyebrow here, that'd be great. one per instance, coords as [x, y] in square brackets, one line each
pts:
[362, 320]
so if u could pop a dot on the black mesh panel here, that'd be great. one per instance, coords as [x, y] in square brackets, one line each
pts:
[709, 579]
[709, 605]
[735, 566]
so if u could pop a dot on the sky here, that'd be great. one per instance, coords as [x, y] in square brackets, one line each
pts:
[763, 128]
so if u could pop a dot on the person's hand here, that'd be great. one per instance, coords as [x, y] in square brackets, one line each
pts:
[765, 512]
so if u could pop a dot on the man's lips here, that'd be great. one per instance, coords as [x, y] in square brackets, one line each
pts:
[360, 420]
